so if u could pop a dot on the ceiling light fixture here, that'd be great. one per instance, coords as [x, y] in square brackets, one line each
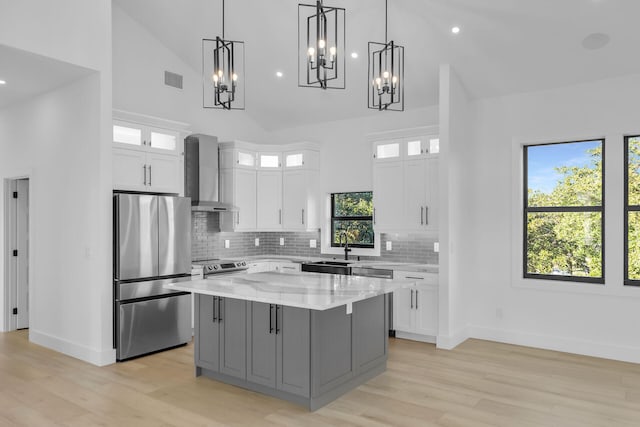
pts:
[354, 55]
[2, 82]
[455, 30]
[386, 72]
[279, 73]
[321, 41]
[223, 72]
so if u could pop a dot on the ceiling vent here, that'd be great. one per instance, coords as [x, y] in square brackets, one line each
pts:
[173, 79]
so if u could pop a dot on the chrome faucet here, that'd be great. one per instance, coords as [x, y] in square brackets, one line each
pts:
[346, 245]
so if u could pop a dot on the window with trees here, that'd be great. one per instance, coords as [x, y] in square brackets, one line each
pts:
[632, 211]
[352, 219]
[563, 211]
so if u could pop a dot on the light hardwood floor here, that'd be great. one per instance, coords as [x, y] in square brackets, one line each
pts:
[478, 384]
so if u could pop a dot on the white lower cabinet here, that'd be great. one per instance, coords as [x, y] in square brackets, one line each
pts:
[258, 266]
[135, 170]
[285, 266]
[415, 309]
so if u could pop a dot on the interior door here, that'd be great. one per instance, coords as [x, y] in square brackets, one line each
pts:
[22, 222]
[174, 235]
[137, 245]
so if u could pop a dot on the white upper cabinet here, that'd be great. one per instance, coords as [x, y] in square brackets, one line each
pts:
[147, 158]
[282, 193]
[138, 136]
[405, 184]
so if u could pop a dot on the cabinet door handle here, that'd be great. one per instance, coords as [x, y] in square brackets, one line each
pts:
[238, 222]
[145, 174]
[412, 298]
[414, 277]
[280, 216]
[149, 175]
[270, 318]
[303, 216]
[277, 323]
[426, 217]
[219, 309]
[416, 299]
[215, 299]
[421, 215]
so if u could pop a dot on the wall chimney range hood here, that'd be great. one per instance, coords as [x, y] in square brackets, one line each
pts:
[201, 177]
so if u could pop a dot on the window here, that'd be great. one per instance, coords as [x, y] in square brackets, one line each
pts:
[632, 211]
[351, 216]
[563, 211]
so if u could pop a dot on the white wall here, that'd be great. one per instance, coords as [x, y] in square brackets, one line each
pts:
[62, 141]
[456, 144]
[581, 318]
[139, 63]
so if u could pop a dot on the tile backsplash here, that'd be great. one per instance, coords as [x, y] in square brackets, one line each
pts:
[207, 242]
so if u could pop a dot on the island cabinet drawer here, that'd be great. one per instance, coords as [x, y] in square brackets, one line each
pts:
[278, 350]
[220, 344]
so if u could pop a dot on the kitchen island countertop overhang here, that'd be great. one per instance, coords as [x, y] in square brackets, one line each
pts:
[314, 291]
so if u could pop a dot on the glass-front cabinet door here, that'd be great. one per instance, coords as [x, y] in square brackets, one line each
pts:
[387, 151]
[135, 136]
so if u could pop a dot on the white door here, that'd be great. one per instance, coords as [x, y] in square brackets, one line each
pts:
[129, 170]
[163, 173]
[245, 199]
[415, 194]
[402, 309]
[294, 197]
[387, 195]
[18, 241]
[431, 208]
[426, 312]
[269, 188]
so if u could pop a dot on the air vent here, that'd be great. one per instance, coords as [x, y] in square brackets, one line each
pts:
[173, 79]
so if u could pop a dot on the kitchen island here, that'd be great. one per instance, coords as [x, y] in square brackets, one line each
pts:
[304, 337]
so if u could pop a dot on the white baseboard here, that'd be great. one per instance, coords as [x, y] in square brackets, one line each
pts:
[416, 337]
[563, 344]
[449, 342]
[87, 354]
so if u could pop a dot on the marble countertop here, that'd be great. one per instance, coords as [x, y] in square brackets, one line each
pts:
[389, 265]
[316, 291]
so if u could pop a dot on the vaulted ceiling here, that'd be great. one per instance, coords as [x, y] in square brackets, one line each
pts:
[504, 46]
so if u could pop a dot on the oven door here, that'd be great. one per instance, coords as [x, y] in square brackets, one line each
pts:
[153, 324]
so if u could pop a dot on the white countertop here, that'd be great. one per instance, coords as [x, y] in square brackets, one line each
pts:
[316, 291]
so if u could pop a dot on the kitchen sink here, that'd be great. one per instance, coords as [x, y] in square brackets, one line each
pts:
[338, 263]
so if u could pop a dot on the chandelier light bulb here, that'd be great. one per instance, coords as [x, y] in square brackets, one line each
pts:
[215, 78]
[321, 44]
[394, 79]
[235, 77]
[311, 51]
[385, 74]
[332, 50]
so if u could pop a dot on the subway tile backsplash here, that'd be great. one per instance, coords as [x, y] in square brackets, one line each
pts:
[209, 242]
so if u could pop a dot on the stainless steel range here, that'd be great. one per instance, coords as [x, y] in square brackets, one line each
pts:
[210, 267]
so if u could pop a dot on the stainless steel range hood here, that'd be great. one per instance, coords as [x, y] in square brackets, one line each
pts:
[201, 177]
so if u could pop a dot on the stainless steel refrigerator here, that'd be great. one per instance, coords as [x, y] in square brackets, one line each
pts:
[152, 247]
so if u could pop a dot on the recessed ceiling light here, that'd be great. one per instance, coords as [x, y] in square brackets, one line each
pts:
[455, 30]
[2, 82]
[596, 41]
[354, 55]
[279, 73]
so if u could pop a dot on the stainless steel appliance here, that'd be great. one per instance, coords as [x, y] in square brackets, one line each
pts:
[217, 266]
[152, 247]
[330, 267]
[201, 174]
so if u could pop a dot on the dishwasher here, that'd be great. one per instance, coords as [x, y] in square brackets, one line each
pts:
[380, 273]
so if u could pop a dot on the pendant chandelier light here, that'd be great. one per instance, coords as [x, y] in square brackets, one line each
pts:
[321, 52]
[223, 72]
[386, 72]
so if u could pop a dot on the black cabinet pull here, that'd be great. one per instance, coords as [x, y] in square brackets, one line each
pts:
[277, 323]
[220, 309]
[214, 309]
[411, 298]
[416, 299]
[270, 318]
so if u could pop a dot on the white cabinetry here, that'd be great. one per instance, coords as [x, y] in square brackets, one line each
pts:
[285, 266]
[147, 158]
[284, 194]
[415, 309]
[269, 202]
[238, 186]
[405, 184]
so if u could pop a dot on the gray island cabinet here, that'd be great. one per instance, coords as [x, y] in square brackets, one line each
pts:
[249, 335]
